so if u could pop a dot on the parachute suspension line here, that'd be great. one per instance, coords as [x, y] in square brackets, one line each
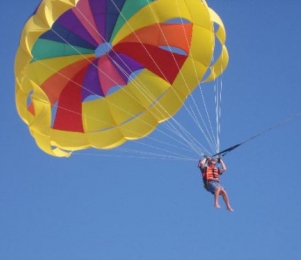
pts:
[142, 156]
[104, 72]
[165, 152]
[44, 64]
[191, 144]
[195, 145]
[218, 86]
[157, 140]
[165, 144]
[218, 93]
[176, 127]
[216, 98]
[178, 134]
[207, 135]
[167, 135]
[218, 89]
[186, 85]
[161, 155]
[213, 142]
[210, 131]
[154, 61]
[137, 38]
[190, 111]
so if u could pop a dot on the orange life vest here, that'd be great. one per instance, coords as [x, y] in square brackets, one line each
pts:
[210, 174]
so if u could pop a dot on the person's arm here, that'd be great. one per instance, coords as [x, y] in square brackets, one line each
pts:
[223, 168]
[202, 163]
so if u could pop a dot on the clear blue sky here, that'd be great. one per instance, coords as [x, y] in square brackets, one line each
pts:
[93, 207]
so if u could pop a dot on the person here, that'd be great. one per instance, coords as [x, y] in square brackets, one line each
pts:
[210, 174]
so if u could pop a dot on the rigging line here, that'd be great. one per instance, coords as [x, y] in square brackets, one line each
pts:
[139, 41]
[219, 105]
[175, 130]
[219, 125]
[162, 33]
[165, 143]
[166, 43]
[150, 97]
[87, 59]
[204, 103]
[109, 78]
[162, 142]
[210, 139]
[193, 141]
[153, 153]
[224, 152]
[218, 89]
[135, 157]
[216, 97]
[96, 119]
[146, 50]
[110, 124]
[171, 127]
[212, 71]
[176, 127]
[186, 135]
[211, 135]
[72, 111]
[138, 37]
[205, 130]
[200, 127]
[210, 128]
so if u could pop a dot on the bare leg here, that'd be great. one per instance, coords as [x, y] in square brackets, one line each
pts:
[216, 195]
[226, 200]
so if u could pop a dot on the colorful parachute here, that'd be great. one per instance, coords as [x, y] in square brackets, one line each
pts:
[95, 73]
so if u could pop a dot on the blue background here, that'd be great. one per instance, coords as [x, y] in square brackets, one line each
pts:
[100, 205]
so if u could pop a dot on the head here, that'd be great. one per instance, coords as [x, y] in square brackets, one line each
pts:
[211, 162]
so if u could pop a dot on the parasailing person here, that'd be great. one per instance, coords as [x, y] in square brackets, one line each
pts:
[210, 174]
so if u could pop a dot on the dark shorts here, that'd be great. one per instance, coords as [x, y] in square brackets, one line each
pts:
[212, 185]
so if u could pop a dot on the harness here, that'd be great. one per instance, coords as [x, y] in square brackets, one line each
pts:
[210, 174]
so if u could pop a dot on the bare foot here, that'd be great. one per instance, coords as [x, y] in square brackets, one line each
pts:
[217, 206]
[230, 209]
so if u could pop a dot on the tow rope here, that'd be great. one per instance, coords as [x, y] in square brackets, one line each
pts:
[224, 152]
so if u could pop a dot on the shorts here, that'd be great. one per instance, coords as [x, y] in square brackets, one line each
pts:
[212, 185]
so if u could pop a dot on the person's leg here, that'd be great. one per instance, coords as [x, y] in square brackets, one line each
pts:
[226, 199]
[216, 196]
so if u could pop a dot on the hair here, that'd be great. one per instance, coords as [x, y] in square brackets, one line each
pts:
[211, 160]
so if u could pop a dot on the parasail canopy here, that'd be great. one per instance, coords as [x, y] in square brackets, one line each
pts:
[96, 73]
